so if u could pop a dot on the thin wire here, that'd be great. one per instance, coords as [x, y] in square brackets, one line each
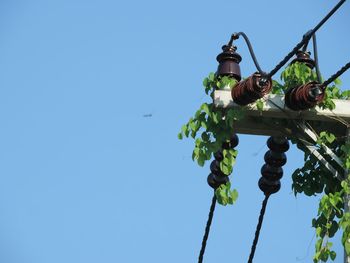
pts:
[336, 75]
[258, 228]
[305, 39]
[250, 48]
[314, 46]
[207, 229]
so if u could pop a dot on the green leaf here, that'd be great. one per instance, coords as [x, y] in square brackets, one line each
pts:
[260, 105]
[179, 136]
[211, 76]
[337, 82]
[333, 255]
[205, 108]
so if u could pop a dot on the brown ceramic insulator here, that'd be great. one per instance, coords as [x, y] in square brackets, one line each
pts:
[251, 89]
[304, 57]
[229, 63]
[304, 97]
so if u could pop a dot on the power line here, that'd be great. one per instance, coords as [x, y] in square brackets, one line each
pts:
[258, 228]
[304, 40]
[207, 229]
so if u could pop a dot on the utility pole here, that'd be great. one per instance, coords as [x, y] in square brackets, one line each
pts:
[347, 197]
[258, 122]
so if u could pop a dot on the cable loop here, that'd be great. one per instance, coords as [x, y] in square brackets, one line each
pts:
[236, 36]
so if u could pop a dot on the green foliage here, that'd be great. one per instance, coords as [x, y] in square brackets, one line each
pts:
[297, 74]
[210, 127]
[225, 195]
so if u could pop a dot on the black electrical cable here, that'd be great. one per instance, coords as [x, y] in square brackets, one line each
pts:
[336, 75]
[314, 44]
[258, 228]
[250, 48]
[207, 229]
[305, 39]
[305, 46]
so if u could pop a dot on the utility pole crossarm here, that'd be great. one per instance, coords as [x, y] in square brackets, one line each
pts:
[258, 122]
[274, 103]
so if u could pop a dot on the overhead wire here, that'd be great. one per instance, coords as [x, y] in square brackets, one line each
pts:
[207, 229]
[335, 75]
[258, 228]
[250, 48]
[305, 39]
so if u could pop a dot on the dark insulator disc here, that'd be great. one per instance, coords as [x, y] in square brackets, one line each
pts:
[229, 63]
[304, 97]
[251, 89]
[278, 144]
[290, 103]
[215, 181]
[271, 173]
[226, 145]
[234, 140]
[215, 168]
[269, 187]
[219, 156]
[304, 57]
[275, 159]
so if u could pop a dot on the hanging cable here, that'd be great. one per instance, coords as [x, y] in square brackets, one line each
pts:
[258, 228]
[207, 229]
[304, 40]
[335, 76]
[314, 45]
[270, 183]
[250, 48]
[215, 179]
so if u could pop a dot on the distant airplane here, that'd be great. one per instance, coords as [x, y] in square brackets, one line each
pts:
[148, 115]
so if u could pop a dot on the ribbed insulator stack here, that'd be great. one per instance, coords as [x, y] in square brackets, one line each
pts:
[251, 89]
[217, 177]
[272, 170]
[304, 97]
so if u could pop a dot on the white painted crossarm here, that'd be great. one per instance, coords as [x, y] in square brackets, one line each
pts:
[274, 103]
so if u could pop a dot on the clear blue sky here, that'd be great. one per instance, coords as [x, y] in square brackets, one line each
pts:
[84, 177]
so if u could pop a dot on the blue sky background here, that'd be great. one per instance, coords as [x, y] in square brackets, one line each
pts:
[84, 177]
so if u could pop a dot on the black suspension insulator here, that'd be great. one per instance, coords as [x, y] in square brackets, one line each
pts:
[271, 173]
[278, 144]
[231, 143]
[229, 62]
[219, 156]
[304, 57]
[215, 168]
[275, 159]
[234, 140]
[269, 187]
[272, 170]
[217, 177]
[215, 181]
[251, 89]
[304, 97]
